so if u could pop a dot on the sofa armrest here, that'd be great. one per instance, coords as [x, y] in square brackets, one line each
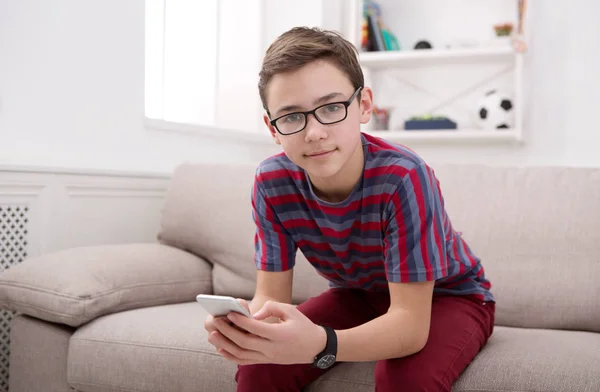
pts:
[77, 285]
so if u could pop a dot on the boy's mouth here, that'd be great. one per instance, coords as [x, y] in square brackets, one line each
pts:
[320, 153]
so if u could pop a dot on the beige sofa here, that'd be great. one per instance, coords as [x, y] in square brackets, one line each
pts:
[123, 317]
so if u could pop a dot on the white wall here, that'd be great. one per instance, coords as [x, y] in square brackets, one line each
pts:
[72, 91]
[580, 98]
[562, 81]
[71, 88]
[67, 80]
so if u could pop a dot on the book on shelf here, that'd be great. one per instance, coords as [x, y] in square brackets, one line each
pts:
[376, 35]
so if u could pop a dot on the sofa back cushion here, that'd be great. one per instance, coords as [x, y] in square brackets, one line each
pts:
[536, 230]
[208, 212]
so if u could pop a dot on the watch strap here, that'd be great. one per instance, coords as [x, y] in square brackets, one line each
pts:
[330, 345]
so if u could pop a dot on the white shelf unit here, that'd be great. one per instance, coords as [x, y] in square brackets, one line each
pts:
[471, 136]
[430, 58]
[415, 58]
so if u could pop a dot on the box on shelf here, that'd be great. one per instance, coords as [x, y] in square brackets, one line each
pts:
[441, 123]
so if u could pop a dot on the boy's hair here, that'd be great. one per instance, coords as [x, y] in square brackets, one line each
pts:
[302, 45]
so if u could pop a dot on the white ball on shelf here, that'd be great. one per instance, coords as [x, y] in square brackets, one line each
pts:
[496, 111]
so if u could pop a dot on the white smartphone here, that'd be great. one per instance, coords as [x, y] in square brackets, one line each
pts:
[218, 305]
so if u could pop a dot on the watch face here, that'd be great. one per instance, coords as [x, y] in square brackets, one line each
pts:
[326, 361]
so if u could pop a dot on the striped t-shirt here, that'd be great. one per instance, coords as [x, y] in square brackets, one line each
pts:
[393, 227]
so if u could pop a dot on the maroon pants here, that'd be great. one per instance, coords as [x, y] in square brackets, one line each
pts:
[460, 327]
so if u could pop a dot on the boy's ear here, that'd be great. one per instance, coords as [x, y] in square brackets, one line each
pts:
[366, 104]
[272, 129]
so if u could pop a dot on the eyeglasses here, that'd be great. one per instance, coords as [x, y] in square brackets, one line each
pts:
[330, 113]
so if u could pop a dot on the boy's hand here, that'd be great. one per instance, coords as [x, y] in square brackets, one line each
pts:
[245, 304]
[295, 339]
[209, 322]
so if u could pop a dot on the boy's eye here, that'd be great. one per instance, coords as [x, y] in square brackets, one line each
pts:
[332, 108]
[293, 118]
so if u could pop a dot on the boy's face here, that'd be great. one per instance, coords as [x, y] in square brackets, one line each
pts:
[322, 150]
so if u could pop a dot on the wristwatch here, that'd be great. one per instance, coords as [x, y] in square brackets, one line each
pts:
[326, 358]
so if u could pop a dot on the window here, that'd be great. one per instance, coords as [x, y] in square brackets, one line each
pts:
[181, 57]
[203, 58]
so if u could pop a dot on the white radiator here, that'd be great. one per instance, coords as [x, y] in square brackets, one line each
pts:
[13, 249]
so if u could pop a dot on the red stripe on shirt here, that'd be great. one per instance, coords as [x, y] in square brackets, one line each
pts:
[281, 173]
[398, 170]
[414, 178]
[436, 232]
[350, 269]
[341, 254]
[281, 239]
[260, 234]
[472, 261]
[315, 205]
[360, 281]
[362, 227]
[402, 243]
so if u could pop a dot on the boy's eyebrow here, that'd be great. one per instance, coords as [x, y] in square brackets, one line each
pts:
[316, 102]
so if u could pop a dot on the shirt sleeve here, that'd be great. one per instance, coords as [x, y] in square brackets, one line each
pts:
[274, 248]
[414, 235]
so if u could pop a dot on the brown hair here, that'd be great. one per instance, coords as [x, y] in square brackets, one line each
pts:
[302, 45]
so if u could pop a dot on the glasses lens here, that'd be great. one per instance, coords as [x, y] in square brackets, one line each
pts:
[331, 113]
[291, 123]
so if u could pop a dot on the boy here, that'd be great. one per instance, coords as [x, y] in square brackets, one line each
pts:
[406, 290]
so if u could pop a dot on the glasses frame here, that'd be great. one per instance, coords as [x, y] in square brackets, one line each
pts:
[313, 112]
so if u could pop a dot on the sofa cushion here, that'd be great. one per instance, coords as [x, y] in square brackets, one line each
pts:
[537, 231]
[77, 285]
[165, 349]
[519, 359]
[159, 349]
[208, 212]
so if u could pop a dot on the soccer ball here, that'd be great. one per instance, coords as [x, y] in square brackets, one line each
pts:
[495, 111]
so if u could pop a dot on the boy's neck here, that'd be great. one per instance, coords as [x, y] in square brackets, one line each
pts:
[338, 187]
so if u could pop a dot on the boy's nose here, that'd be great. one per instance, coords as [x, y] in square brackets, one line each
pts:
[314, 129]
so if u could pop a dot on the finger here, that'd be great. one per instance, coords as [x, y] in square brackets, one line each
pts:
[211, 327]
[240, 338]
[225, 344]
[253, 326]
[215, 320]
[213, 338]
[244, 303]
[208, 323]
[273, 309]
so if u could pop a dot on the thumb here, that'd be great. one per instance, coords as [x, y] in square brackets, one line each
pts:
[273, 309]
[244, 304]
